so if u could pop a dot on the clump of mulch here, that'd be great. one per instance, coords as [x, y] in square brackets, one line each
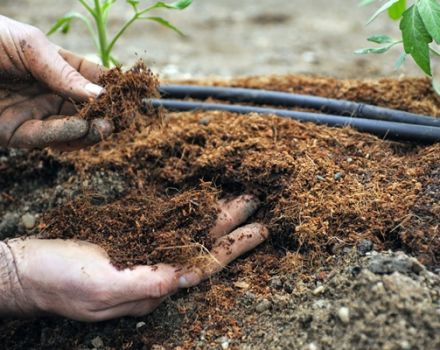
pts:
[122, 101]
[142, 228]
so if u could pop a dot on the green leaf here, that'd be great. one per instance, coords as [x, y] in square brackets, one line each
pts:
[436, 86]
[163, 22]
[430, 12]
[63, 23]
[400, 60]
[376, 50]
[416, 38]
[382, 9]
[366, 2]
[176, 5]
[380, 39]
[396, 11]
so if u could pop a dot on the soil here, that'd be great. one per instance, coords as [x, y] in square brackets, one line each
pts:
[123, 100]
[328, 197]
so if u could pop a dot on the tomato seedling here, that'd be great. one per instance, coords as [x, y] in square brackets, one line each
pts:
[419, 23]
[97, 23]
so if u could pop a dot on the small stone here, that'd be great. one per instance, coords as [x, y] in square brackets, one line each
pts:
[349, 159]
[405, 345]
[320, 178]
[311, 346]
[97, 342]
[365, 246]
[276, 283]
[241, 285]
[28, 221]
[140, 325]
[204, 121]
[339, 176]
[318, 290]
[288, 287]
[224, 342]
[344, 314]
[263, 306]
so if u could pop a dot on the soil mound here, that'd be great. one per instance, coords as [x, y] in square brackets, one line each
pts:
[324, 191]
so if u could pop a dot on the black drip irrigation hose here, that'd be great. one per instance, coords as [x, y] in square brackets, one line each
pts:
[276, 98]
[383, 122]
[384, 129]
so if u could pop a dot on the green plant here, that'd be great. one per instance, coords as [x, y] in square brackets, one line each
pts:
[97, 22]
[420, 28]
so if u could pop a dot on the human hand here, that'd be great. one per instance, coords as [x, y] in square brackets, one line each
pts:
[38, 82]
[76, 279]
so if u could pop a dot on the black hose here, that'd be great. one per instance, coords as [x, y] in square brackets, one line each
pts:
[275, 98]
[384, 129]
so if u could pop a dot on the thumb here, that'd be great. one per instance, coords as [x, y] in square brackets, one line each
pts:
[46, 65]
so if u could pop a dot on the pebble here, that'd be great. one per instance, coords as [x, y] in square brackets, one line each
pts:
[28, 221]
[276, 283]
[97, 342]
[140, 325]
[224, 342]
[339, 176]
[320, 178]
[365, 246]
[204, 121]
[288, 287]
[344, 314]
[263, 306]
[318, 290]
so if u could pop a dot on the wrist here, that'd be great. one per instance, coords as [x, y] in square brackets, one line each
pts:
[12, 296]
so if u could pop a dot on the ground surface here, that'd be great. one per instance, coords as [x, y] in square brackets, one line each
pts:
[310, 286]
[277, 297]
[236, 38]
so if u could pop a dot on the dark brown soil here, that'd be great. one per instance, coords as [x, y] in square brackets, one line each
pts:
[122, 102]
[323, 190]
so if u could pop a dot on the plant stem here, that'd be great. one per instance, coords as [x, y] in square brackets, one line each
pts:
[121, 31]
[102, 35]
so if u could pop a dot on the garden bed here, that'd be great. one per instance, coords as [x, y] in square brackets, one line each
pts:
[323, 191]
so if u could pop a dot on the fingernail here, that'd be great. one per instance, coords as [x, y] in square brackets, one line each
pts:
[188, 280]
[94, 89]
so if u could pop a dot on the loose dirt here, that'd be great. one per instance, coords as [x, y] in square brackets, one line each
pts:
[323, 192]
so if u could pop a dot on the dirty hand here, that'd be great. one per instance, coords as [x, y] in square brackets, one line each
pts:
[76, 279]
[38, 82]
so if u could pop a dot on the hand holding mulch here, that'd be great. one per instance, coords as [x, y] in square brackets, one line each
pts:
[76, 279]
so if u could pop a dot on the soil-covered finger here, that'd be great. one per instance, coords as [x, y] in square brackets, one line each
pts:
[227, 249]
[233, 213]
[40, 134]
[16, 114]
[99, 129]
[89, 70]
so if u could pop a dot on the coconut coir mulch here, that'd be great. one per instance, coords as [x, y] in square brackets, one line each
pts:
[322, 190]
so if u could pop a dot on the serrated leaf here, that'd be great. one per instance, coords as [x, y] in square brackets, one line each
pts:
[396, 11]
[430, 12]
[163, 22]
[416, 38]
[382, 9]
[63, 23]
[380, 39]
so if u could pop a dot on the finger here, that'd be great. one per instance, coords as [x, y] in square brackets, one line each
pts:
[43, 133]
[227, 249]
[145, 282]
[89, 70]
[36, 108]
[99, 130]
[133, 308]
[233, 213]
[46, 65]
